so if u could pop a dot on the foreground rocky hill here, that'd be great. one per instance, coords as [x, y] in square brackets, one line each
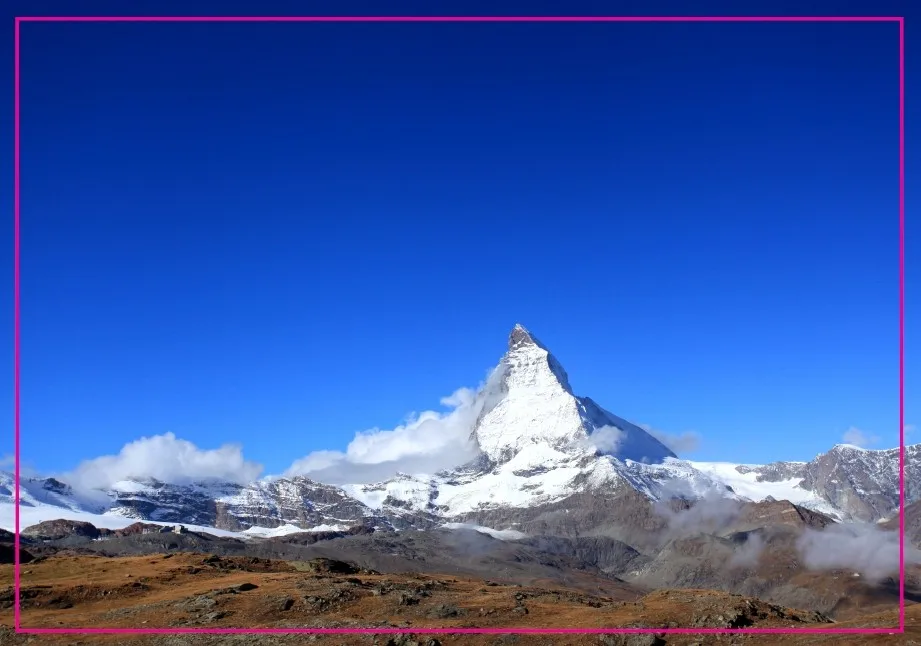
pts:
[204, 591]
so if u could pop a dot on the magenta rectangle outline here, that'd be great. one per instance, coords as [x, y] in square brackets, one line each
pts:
[697, 631]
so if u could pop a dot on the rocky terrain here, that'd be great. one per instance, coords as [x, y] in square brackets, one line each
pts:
[187, 590]
[750, 549]
[863, 484]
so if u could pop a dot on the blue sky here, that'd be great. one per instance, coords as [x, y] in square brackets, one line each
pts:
[280, 235]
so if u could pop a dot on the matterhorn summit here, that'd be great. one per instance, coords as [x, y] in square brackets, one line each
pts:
[530, 409]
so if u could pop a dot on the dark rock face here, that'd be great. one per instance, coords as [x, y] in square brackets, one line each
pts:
[8, 555]
[607, 554]
[772, 513]
[865, 484]
[56, 486]
[170, 503]
[55, 530]
[296, 501]
[331, 566]
[759, 563]
[309, 538]
[132, 529]
[625, 515]
[520, 337]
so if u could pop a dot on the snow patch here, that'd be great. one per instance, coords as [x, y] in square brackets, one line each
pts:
[130, 486]
[29, 516]
[747, 485]
[285, 530]
[501, 534]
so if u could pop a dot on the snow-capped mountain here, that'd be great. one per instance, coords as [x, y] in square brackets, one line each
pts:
[545, 455]
[856, 483]
[529, 411]
[296, 502]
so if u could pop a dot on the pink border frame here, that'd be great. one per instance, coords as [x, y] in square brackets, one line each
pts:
[696, 631]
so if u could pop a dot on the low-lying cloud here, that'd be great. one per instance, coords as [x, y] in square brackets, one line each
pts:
[863, 548]
[857, 547]
[427, 443]
[165, 458]
[687, 442]
[606, 439]
[709, 514]
[748, 554]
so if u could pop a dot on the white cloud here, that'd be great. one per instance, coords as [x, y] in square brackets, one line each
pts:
[855, 436]
[909, 429]
[165, 458]
[872, 552]
[606, 439]
[710, 513]
[427, 443]
[687, 442]
[749, 553]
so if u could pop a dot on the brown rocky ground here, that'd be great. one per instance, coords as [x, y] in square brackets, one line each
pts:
[198, 590]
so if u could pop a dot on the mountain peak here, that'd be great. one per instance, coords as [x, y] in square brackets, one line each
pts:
[533, 416]
[520, 336]
[848, 447]
[527, 356]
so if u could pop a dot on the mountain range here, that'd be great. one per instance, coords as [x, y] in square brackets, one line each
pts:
[544, 457]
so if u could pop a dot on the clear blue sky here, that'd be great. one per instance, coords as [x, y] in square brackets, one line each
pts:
[282, 234]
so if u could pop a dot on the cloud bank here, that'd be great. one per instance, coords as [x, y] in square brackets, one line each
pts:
[749, 553]
[165, 458]
[711, 513]
[427, 443]
[857, 547]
